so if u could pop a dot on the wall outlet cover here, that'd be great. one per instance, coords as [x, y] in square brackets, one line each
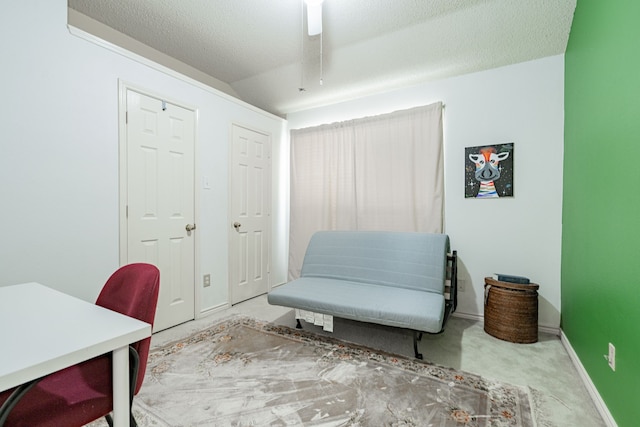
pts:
[612, 357]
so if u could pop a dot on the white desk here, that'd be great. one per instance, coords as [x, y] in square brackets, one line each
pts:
[43, 330]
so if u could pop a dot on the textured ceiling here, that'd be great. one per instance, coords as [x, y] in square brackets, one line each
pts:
[261, 50]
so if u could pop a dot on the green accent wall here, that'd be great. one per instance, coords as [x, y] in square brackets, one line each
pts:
[601, 199]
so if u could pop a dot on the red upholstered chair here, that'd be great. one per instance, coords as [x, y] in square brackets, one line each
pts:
[82, 393]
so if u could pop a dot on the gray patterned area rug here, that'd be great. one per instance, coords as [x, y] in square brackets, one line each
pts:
[242, 372]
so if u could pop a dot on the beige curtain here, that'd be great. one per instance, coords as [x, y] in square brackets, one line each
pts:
[377, 173]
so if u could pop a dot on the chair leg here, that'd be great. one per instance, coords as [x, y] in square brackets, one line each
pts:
[132, 421]
[134, 366]
[14, 398]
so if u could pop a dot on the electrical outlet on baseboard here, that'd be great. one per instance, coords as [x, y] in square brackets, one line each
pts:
[612, 357]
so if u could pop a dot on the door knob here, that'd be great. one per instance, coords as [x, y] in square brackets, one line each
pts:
[237, 225]
[190, 227]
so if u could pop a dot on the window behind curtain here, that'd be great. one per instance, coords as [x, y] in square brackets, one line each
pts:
[377, 173]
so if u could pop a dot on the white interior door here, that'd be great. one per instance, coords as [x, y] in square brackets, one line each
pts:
[160, 141]
[250, 207]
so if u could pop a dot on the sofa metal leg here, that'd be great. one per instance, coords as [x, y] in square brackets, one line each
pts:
[416, 338]
[298, 324]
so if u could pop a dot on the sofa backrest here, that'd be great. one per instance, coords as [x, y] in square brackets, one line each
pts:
[409, 260]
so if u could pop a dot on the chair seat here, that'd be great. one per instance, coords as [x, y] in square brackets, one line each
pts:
[82, 393]
[82, 386]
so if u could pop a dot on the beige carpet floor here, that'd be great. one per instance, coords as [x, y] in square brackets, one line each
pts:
[557, 392]
[242, 372]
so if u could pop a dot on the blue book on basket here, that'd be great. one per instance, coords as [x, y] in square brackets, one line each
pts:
[511, 279]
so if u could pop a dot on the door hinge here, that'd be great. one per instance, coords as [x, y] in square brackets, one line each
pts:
[126, 212]
[126, 117]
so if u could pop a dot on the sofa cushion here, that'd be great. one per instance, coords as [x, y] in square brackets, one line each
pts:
[401, 307]
[407, 260]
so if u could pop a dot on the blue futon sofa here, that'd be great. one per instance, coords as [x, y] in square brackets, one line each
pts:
[404, 280]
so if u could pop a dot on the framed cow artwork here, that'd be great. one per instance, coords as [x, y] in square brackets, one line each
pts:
[488, 172]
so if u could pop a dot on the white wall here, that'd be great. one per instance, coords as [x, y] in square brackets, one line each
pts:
[59, 162]
[59, 156]
[83, 22]
[524, 104]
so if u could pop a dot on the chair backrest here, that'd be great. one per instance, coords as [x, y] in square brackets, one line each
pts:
[133, 290]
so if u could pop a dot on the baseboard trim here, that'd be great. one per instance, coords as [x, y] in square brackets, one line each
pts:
[479, 318]
[213, 309]
[468, 316]
[575, 360]
[591, 388]
[278, 284]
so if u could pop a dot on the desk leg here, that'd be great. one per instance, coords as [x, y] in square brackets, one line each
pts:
[120, 374]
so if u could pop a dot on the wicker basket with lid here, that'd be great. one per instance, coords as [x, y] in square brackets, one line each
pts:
[511, 311]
